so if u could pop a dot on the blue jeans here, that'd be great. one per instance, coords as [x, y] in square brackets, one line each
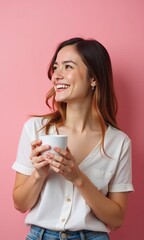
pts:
[38, 233]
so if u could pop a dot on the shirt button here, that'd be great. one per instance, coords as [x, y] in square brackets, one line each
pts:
[68, 200]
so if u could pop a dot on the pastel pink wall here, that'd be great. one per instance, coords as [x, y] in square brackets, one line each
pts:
[29, 32]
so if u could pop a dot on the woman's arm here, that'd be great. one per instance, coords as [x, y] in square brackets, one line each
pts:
[27, 188]
[26, 191]
[111, 209]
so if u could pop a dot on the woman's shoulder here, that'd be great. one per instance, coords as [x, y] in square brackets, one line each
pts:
[117, 134]
[35, 123]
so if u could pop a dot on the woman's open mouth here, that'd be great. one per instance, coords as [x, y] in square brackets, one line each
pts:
[62, 86]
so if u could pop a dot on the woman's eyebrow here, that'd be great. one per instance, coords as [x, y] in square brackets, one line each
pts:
[67, 61]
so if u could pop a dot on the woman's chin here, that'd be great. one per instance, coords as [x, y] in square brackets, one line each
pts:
[60, 99]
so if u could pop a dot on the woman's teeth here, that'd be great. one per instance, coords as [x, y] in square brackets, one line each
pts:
[62, 86]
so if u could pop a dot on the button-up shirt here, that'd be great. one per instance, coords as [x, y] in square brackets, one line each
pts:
[60, 205]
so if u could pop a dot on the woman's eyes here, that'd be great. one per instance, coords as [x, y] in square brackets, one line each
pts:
[54, 68]
[67, 66]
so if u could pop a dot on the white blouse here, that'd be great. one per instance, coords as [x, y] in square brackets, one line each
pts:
[60, 205]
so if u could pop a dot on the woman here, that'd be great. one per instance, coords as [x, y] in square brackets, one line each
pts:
[82, 193]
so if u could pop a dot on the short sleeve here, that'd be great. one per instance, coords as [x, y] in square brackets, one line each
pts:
[23, 163]
[122, 179]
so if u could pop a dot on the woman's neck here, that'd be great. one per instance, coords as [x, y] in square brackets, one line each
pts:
[80, 119]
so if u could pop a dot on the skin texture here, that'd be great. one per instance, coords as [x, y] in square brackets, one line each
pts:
[73, 86]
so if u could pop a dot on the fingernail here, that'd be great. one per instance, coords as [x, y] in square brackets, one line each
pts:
[49, 154]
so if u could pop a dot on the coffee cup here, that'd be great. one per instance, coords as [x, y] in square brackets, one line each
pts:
[53, 141]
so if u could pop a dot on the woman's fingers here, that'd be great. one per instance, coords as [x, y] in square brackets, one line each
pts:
[37, 148]
[61, 163]
[65, 153]
[35, 144]
[38, 159]
[39, 162]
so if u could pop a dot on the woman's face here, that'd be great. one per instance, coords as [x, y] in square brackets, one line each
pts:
[70, 76]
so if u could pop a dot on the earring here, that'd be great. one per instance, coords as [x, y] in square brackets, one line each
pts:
[93, 85]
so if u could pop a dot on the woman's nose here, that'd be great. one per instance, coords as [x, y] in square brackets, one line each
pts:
[58, 74]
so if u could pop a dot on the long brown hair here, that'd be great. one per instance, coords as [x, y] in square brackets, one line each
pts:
[104, 103]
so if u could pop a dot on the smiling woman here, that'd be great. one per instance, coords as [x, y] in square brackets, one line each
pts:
[70, 76]
[80, 192]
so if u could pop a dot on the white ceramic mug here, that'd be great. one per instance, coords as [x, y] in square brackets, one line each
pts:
[54, 141]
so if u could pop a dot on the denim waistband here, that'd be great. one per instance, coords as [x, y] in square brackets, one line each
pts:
[55, 232]
[43, 233]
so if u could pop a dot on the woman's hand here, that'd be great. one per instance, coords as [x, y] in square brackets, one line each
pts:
[39, 161]
[64, 164]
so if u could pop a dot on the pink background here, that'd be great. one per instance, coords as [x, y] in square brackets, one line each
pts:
[29, 33]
